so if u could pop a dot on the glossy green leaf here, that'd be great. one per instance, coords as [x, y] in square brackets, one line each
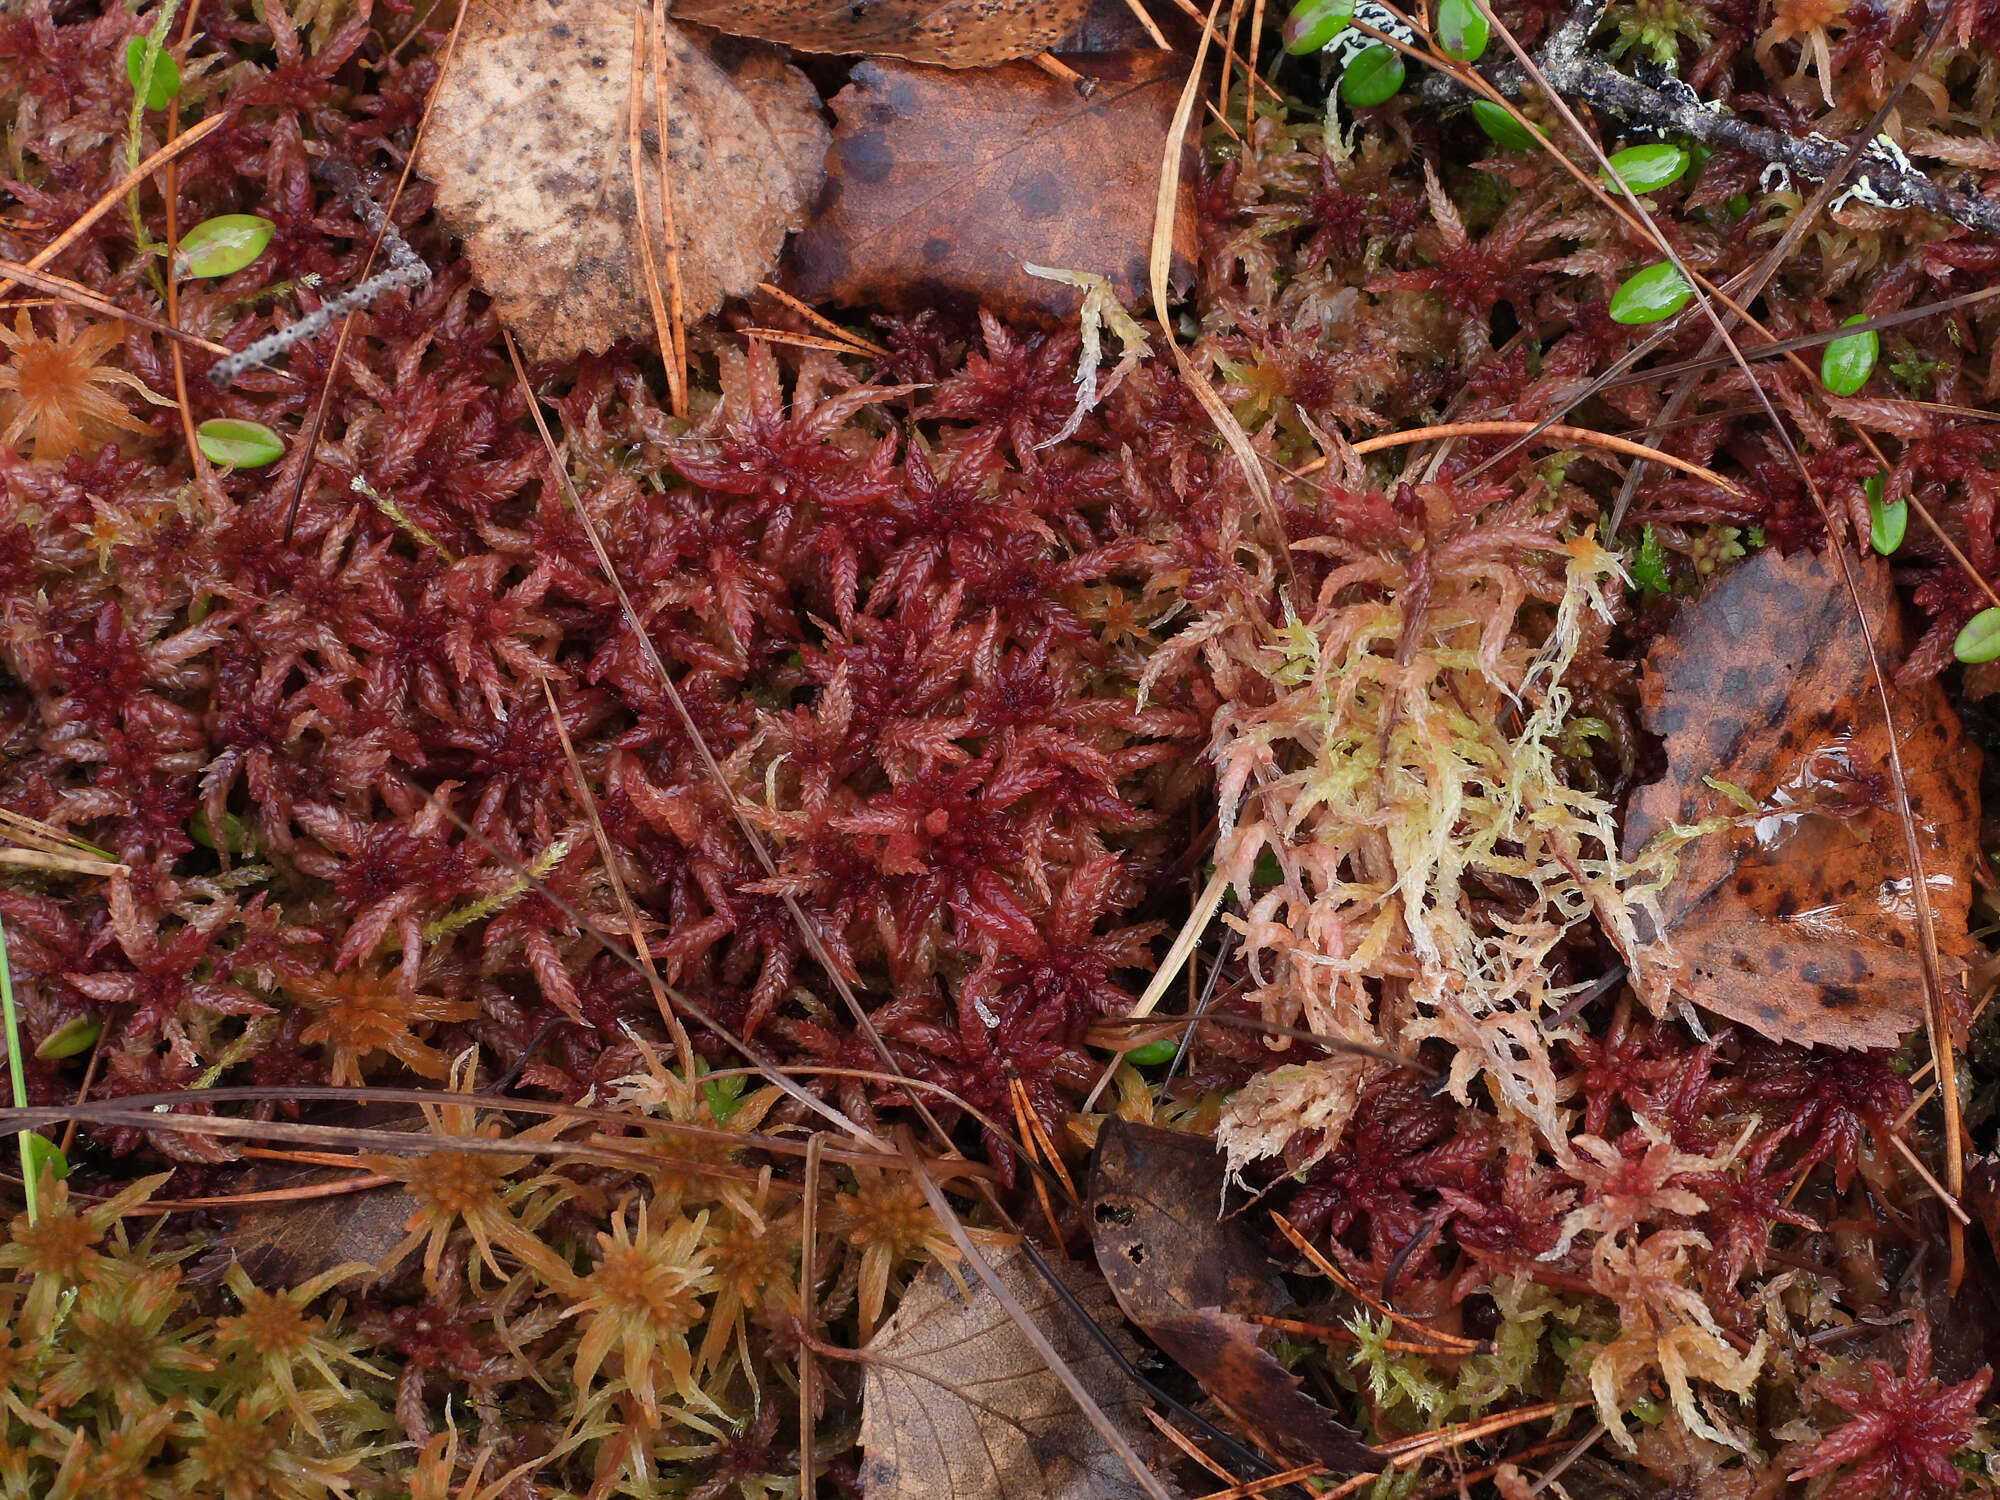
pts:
[1372, 78]
[77, 1034]
[38, 1151]
[1153, 1053]
[1646, 169]
[1886, 524]
[1647, 296]
[1461, 30]
[166, 79]
[239, 445]
[1502, 128]
[1314, 23]
[1849, 360]
[222, 246]
[1980, 639]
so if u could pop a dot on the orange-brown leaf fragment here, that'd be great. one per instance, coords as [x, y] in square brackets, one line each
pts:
[942, 185]
[1798, 921]
[953, 33]
[958, 1405]
[1186, 1276]
[527, 145]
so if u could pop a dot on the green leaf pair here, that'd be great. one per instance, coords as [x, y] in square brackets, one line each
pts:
[155, 76]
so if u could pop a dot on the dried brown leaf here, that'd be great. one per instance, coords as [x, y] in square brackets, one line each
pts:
[942, 185]
[1800, 922]
[527, 146]
[284, 1244]
[958, 1405]
[1187, 1276]
[954, 33]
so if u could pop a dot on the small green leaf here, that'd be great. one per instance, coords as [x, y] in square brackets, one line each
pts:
[1649, 563]
[1850, 359]
[166, 79]
[1886, 523]
[1502, 128]
[38, 1151]
[1646, 169]
[724, 1096]
[1649, 1411]
[233, 829]
[222, 246]
[77, 1034]
[239, 445]
[1314, 23]
[1872, 487]
[1372, 78]
[1980, 639]
[1647, 296]
[1461, 30]
[1153, 1053]
[1738, 206]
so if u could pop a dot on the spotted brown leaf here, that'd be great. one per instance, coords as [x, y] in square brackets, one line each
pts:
[941, 185]
[1798, 920]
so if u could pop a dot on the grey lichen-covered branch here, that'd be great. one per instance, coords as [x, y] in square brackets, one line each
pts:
[1881, 175]
[406, 269]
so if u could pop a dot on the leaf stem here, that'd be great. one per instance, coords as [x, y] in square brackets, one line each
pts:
[17, 1077]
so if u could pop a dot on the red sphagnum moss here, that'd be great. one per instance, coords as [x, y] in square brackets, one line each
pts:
[981, 699]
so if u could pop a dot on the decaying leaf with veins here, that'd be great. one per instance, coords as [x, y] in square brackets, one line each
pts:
[1188, 1277]
[527, 146]
[957, 1405]
[1795, 915]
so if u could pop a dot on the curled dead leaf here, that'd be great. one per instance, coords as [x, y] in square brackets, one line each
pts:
[1186, 1276]
[958, 1405]
[953, 33]
[1798, 921]
[943, 185]
[527, 146]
